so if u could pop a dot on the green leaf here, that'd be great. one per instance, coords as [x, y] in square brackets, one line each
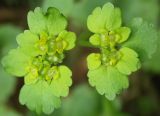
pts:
[84, 8]
[56, 22]
[39, 97]
[60, 86]
[108, 81]
[112, 108]
[7, 82]
[129, 61]
[37, 21]
[16, 62]
[107, 18]
[96, 22]
[95, 39]
[31, 77]
[93, 61]
[96, 105]
[69, 37]
[153, 64]
[62, 5]
[27, 38]
[8, 34]
[124, 33]
[89, 96]
[116, 19]
[7, 111]
[147, 9]
[143, 39]
[53, 21]
[27, 42]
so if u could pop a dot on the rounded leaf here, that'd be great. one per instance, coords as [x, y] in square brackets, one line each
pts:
[27, 42]
[69, 37]
[95, 39]
[56, 22]
[108, 18]
[7, 82]
[37, 21]
[96, 22]
[16, 62]
[143, 39]
[124, 33]
[93, 61]
[60, 86]
[27, 38]
[31, 77]
[129, 61]
[108, 81]
[39, 97]
[116, 20]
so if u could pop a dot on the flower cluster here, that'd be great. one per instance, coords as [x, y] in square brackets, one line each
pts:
[108, 69]
[41, 51]
[37, 58]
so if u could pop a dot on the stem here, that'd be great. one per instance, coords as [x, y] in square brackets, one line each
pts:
[85, 43]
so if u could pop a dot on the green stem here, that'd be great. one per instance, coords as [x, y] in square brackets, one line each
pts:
[85, 43]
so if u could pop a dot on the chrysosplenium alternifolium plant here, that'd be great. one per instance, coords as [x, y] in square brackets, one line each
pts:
[108, 70]
[38, 57]
[40, 53]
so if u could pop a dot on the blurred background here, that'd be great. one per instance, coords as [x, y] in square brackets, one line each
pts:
[142, 98]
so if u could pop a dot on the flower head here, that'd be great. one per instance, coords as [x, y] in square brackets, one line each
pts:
[40, 51]
[114, 62]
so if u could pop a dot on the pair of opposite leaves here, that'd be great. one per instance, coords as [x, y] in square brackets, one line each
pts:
[41, 50]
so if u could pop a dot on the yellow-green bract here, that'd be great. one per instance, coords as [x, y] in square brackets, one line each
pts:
[37, 58]
[109, 69]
